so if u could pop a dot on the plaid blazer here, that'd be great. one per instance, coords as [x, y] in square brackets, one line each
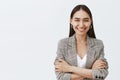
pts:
[95, 50]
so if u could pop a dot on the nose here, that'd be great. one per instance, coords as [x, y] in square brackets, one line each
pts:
[81, 24]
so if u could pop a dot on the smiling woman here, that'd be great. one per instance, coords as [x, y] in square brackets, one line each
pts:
[81, 55]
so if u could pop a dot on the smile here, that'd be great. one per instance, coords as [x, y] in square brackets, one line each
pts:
[82, 29]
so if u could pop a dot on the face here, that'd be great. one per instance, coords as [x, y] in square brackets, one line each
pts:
[81, 22]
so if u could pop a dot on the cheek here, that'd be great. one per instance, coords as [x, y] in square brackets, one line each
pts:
[88, 25]
[75, 24]
[74, 27]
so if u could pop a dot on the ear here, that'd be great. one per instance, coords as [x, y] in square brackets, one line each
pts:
[91, 21]
[70, 21]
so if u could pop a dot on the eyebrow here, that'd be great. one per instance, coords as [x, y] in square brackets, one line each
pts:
[79, 18]
[76, 18]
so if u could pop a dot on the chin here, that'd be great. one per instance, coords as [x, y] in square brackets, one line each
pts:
[81, 34]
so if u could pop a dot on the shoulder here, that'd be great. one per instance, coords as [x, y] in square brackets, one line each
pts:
[97, 42]
[62, 42]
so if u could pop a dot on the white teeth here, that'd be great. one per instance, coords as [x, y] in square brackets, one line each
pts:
[81, 29]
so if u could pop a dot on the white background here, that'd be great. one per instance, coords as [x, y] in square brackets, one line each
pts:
[30, 30]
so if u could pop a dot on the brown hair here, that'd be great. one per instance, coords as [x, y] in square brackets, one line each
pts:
[91, 32]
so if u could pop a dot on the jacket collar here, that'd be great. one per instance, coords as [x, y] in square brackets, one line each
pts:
[72, 41]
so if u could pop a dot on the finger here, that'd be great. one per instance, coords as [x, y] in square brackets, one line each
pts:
[58, 70]
[57, 66]
[103, 66]
[102, 60]
[100, 66]
[57, 63]
[60, 60]
[103, 63]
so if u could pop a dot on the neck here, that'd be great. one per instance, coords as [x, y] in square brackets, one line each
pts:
[81, 39]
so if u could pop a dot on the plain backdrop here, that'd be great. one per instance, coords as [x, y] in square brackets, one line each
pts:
[30, 31]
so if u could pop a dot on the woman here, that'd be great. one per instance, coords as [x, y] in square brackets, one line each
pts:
[81, 56]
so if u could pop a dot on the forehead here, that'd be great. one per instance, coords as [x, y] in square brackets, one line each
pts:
[81, 14]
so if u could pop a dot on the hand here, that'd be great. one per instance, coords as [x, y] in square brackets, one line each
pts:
[99, 64]
[62, 66]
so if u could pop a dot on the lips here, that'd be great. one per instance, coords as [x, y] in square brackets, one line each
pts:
[82, 29]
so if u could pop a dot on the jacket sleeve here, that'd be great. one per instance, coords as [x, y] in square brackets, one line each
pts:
[100, 74]
[60, 54]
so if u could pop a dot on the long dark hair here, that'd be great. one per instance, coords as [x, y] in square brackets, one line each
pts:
[91, 32]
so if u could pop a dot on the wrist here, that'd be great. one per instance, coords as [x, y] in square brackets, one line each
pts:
[71, 68]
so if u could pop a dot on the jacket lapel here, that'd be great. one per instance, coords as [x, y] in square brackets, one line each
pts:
[72, 51]
[90, 52]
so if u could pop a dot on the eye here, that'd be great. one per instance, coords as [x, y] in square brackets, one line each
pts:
[77, 20]
[86, 20]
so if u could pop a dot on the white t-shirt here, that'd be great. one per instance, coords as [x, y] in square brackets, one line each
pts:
[81, 62]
